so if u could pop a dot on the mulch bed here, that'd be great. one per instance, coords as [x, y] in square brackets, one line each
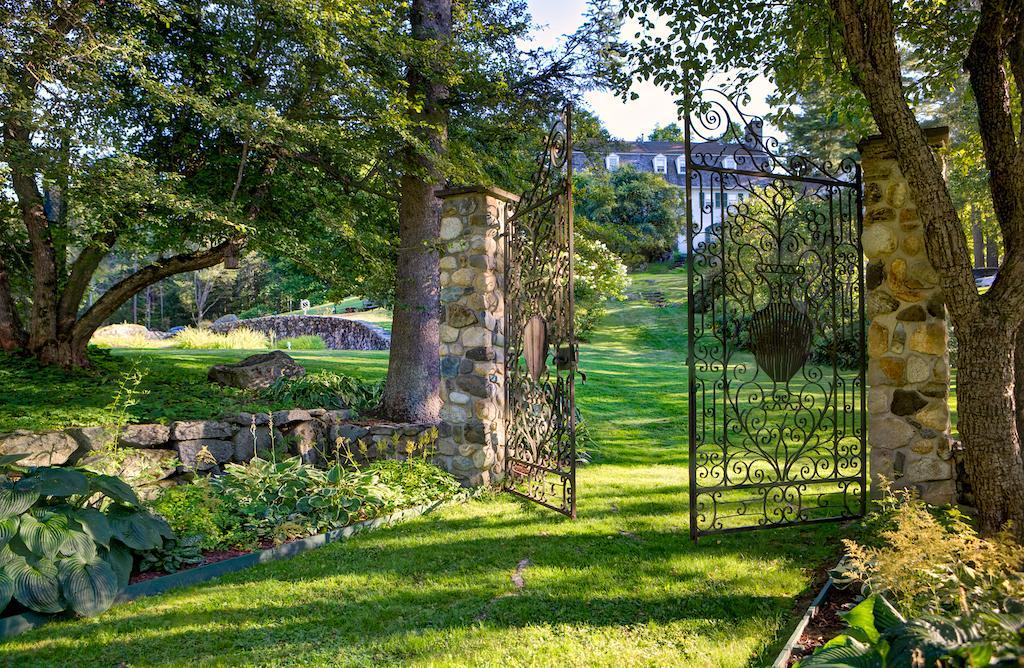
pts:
[210, 557]
[825, 625]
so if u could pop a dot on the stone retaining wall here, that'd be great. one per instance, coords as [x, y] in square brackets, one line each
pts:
[338, 333]
[154, 456]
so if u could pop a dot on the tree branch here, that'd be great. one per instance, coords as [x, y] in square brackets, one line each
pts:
[82, 270]
[123, 290]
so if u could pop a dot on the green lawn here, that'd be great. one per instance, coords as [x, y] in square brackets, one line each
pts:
[173, 387]
[622, 585]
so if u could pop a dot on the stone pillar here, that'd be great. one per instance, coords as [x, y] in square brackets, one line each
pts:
[471, 443]
[908, 351]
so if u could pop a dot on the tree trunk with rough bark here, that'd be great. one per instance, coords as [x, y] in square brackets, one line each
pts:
[411, 392]
[986, 325]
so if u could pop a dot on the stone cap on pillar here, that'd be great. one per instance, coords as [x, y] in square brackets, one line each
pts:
[874, 146]
[497, 193]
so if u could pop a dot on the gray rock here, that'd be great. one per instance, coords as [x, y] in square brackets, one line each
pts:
[204, 454]
[338, 416]
[290, 416]
[256, 371]
[246, 419]
[53, 448]
[246, 448]
[225, 319]
[91, 438]
[308, 441]
[134, 465]
[197, 429]
[145, 435]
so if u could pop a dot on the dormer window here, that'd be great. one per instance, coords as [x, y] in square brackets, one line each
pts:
[729, 162]
[611, 162]
[660, 164]
[681, 164]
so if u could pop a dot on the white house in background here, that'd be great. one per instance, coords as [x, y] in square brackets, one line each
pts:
[668, 159]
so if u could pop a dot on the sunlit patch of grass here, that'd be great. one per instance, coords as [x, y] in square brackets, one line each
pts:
[621, 586]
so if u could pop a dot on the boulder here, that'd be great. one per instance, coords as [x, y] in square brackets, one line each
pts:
[246, 447]
[145, 435]
[53, 448]
[308, 441]
[92, 438]
[256, 371]
[134, 466]
[199, 429]
[290, 416]
[204, 454]
[225, 319]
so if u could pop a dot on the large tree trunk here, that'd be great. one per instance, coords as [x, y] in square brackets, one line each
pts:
[411, 392]
[986, 326]
[988, 421]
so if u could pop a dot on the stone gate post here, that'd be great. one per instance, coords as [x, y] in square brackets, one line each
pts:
[908, 343]
[471, 443]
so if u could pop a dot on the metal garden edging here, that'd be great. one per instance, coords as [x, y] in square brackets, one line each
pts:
[18, 624]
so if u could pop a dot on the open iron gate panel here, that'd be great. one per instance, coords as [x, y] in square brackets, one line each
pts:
[540, 339]
[776, 353]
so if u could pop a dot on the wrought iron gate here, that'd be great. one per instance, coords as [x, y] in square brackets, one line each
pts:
[540, 340]
[776, 350]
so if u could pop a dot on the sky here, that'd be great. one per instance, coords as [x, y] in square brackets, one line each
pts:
[624, 120]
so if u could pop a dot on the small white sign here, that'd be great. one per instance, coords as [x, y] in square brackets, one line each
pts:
[304, 305]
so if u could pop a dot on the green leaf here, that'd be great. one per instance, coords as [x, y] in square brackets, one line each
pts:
[95, 524]
[6, 588]
[7, 460]
[114, 488]
[78, 543]
[16, 498]
[121, 561]
[886, 616]
[35, 584]
[844, 652]
[861, 621]
[55, 481]
[43, 532]
[89, 584]
[8, 529]
[138, 530]
[931, 638]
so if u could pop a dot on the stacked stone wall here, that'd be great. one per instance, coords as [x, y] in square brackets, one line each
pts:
[471, 441]
[152, 457]
[337, 332]
[908, 359]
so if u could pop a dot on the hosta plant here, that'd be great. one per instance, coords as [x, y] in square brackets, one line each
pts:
[67, 535]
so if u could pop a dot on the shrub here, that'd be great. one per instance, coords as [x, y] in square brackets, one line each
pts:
[68, 537]
[325, 389]
[240, 338]
[193, 510]
[846, 346]
[308, 342]
[414, 481]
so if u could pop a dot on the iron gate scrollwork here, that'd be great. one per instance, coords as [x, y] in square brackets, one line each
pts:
[540, 341]
[776, 352]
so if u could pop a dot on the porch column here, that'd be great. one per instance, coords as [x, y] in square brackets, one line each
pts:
[471, 442]
[908, 342]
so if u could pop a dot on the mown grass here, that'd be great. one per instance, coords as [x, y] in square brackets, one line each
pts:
[173, 386]
[621, 586]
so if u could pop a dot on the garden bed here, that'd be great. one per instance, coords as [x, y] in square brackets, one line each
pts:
[819, 624]
[223, 562]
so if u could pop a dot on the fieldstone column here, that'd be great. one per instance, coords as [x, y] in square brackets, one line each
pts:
[908, 343]
[471, 442]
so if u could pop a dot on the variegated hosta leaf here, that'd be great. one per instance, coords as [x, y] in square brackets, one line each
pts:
[137, 530]
[35, 584]
[43, 532]
[95, 524]
[114, 488]
[8, 530]
[16, 499]
[89, 585]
